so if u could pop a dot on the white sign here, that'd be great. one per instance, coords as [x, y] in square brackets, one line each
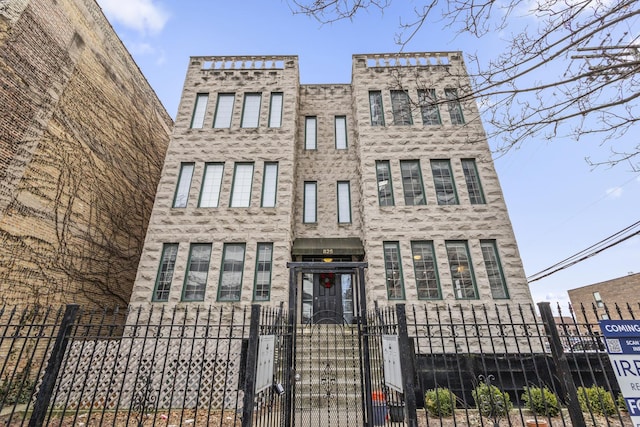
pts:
[391, 358]
[264, 371]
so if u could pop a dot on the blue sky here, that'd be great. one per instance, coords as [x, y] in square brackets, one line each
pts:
[558, 204]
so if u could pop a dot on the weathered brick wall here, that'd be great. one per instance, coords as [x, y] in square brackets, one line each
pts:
[82, 140]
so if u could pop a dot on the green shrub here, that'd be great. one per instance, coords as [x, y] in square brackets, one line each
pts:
[622, 405]
[541, 400]
[596, 400]
[439, 402]
[491, 401]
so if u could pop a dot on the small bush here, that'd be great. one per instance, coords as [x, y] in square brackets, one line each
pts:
[622, 405]
[439, 402]
[541, 400]
[491, 401]
[596, 400]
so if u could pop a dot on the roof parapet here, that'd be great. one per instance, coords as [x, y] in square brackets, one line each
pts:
[244, 62]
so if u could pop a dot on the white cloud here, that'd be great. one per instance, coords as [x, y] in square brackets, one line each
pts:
[140, 15]
[614, 192]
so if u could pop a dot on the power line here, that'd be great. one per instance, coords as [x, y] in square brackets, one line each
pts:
[602, 245]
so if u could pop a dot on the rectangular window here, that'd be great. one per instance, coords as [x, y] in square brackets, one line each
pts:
[443, 181]
[275, 110]
[393, 270]
[401, 108]
[424, 265]
[184, 184]
[476, 195]
[310, 196]
[251, 110]
[197, 121]
[598, 299]
[455, 110]
[195, 279]
[262, 287]
[269, 185]
[429, 107]
[241, 191]
[464, 285]
[341, 133]
[412, 183]
[385, 189]
[224, 110]
[344, 202]
[231, 272]
[211, 183]
[310, 142]
[375, 105]
[165, 272]
[497, 281]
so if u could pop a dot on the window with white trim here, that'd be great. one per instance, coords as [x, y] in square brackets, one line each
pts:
[443, 182]
[453, 103]
[474, 188]
[195, 279]
[310, 198]
[275, 110]
[211, 183]
[497, 281]
[230, 285]
[270, 185]
[165, 272]
[344, 202]
[393, 270]
[464, 285]
[341, 132]
[184, 184]
[251, 110]
[262, 284]
[375, 105]
[426, 271]
[199, 110]
[412, 183]
[241, 191]
[310, 133]
[401, 108]
[224, 110]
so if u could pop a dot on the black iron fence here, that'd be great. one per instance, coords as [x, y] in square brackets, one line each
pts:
[459, 365]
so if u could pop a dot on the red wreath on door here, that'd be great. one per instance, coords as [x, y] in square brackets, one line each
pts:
[327, 279]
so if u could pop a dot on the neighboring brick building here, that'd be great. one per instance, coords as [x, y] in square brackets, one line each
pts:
[82, 140]
[595, 302]
[262, 170]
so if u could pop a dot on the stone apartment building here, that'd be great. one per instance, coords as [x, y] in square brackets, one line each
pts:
[392, 169]
[82, 140]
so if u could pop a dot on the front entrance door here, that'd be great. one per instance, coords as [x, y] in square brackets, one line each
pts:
[327, 298]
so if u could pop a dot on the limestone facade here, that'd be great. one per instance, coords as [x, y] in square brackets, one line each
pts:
[82, 139]
[462, 234]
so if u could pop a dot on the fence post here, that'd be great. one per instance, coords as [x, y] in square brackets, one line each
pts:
[562, 366]
[53, 366]
[407, 366]
[250, 368]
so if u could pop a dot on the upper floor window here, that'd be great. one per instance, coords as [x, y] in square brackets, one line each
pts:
[310, 126]
[393, 270]
[443, 181]
[424, 265]
[184, 184]
[211, 183]
[375, 105]
[251, 110]
[241, 191]
[341, 132]
[385, 189]
[464, 285]
[230, 285]
[310, 197]
[429, 107]
[476, 195]
[497, 281]
[224, 110]
[275, 110]
[195, 281]
[412, 183]
[197, 121]
[598, 299]
[262, 285]
[401, 108]
[165, 272]
[455, 110]
[269, 185]
[344, 202]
